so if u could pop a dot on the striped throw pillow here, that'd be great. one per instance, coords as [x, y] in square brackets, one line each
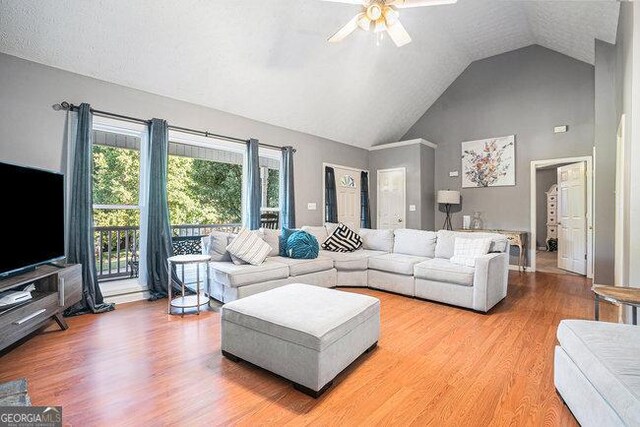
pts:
[343, 239]
[248, 247]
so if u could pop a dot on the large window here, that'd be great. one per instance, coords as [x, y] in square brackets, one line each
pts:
[204, 188]
[116, 198]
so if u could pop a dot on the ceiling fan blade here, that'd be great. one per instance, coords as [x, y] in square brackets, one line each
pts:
[403, 4]
[346, 30]
[398, 34]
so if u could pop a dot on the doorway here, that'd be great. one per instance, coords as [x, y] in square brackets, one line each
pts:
[392, 193]
[348, 187]
[561, 216]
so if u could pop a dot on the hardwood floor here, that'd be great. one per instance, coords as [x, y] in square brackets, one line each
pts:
[435, 365]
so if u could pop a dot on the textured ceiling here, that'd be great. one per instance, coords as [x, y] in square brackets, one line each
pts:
[269, 60]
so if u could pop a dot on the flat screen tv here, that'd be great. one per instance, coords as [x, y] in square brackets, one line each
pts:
[32, 218]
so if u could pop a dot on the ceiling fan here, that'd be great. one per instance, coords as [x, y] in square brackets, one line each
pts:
[382, 16]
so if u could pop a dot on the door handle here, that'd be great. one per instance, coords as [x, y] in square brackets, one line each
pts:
[399, 219]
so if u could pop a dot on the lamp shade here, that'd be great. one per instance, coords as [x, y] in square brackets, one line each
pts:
[448, 197]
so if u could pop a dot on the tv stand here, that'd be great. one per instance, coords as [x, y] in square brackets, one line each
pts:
[57, 288]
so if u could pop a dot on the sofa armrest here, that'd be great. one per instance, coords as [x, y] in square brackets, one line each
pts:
[490, 280]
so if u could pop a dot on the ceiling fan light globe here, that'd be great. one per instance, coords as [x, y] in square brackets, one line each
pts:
[374, 12]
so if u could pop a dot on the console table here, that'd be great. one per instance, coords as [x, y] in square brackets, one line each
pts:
[617, 295]
[57, 288]
[515, 238]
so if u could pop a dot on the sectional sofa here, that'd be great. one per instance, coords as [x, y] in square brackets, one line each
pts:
[414, 263]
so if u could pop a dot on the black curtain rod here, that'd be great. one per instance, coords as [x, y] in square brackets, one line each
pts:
[70, 107]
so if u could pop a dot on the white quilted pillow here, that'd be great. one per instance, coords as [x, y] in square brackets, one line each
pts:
[466, 250]
[248, 247]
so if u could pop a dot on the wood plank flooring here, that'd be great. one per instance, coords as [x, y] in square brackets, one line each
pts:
[435, 365]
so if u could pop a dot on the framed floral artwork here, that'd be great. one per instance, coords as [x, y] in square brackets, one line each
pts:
[489, 162]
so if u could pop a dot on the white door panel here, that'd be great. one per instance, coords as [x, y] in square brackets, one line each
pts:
[348, 195]
[572, 209]
[391, 198]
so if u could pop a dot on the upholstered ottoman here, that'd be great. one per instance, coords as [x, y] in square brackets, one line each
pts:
[306, 334]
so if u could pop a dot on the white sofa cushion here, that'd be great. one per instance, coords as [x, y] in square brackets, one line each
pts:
[466, 251]
[272, 237]
[415, 242]
[607, 354]
[446, 242]
[351, 261]
[233, 275]
[320, 233]
[306, 315]
[395, 263]
[377, 240]
[442, 270]
[215, 245]
[298, 267]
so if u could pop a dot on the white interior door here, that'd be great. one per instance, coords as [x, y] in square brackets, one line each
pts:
[572, 212]
[392, 198]
[348, 196]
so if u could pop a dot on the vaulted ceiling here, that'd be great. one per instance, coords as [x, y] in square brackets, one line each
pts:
[269, 60]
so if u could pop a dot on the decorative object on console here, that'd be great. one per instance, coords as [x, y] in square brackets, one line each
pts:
[466, 222]
[448, 198]
[248, 247]
[477, 222]
[343, 239]
[489, 162]
[302, 245]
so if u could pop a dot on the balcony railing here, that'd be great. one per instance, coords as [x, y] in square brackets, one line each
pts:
[117, 248]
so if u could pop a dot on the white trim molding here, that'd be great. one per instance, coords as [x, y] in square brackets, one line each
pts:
[419, 141]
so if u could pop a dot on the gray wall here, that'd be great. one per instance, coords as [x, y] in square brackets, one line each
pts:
[427, 181]
[545, 178]
[606, 119]
[525, 92]
[419, 162]
[33, 133]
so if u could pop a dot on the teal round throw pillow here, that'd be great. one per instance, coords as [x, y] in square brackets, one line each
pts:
[302, 245]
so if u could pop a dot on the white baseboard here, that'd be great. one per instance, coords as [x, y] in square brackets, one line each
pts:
[126, 298]
[123, 291]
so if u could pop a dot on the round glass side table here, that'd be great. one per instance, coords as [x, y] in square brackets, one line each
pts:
[189, 301]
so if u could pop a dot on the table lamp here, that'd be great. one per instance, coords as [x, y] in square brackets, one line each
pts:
[448, 198]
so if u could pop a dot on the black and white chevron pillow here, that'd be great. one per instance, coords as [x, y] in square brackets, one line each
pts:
[343, 239]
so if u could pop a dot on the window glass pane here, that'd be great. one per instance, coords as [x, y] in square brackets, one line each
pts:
[116, 184]
[204, 186]
[273, 189]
